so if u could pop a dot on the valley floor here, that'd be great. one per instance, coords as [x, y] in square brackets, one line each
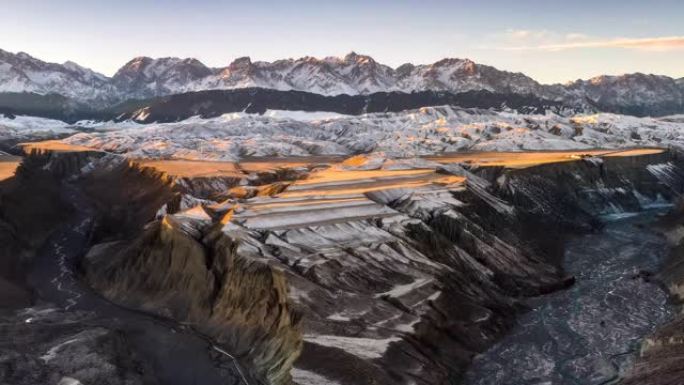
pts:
[590, 333]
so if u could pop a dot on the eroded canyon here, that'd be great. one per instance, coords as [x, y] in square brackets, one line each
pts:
[315, 270]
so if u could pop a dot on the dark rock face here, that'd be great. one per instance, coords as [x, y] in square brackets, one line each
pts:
[661, 359]
[578, 191]
[257, 100]
[52, 106]
[633, 94]
[27, 219]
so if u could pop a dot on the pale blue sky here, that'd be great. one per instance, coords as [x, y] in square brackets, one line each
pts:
[552, 41]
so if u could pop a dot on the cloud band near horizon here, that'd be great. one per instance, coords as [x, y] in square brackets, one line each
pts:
[666, 43]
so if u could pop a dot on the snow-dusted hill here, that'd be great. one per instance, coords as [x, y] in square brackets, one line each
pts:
[353, 74]
[23, 73]
[31, 128]
[144, 77]
[635, 94]
[405, 134]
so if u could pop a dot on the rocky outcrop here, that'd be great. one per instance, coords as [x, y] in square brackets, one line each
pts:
[123, 211]
[574, 193]
[239, 302]
[661, 355]
[208, 104]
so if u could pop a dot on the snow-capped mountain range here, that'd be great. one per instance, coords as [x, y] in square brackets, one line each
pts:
[23, 73]
[354, 74]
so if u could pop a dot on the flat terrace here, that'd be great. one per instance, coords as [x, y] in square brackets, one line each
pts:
[534, 158]
[336, 181]
[200, 168]
[8, 164]
[337, 197]
[251, 164]
[291, 213]
[53, 146]
[194, 168]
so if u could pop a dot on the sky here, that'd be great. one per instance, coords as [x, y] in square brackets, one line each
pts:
[551, 41]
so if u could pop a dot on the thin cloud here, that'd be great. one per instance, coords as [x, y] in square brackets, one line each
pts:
[666, 43]
[526, 34]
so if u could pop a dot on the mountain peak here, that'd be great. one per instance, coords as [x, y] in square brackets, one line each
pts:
[75, 67]
[450, 61]
[241, 62]
[24, 56]
[309, 59]
[135, 64]
[353, 57]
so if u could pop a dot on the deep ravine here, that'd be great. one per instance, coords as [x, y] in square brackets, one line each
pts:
[411, 289]
[588, 334]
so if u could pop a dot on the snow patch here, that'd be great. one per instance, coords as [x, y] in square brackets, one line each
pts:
[69, 381]
[362, 347]
[408, 134]
[305, 377]
[402, 290]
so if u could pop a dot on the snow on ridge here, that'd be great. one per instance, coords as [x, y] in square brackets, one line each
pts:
[369, 348]
[353, 74]
[22, 122]
[305, 377]
[28, 128]
[417, 132]
[303, 116]
[412, 133]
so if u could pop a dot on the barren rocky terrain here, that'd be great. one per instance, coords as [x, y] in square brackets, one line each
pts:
[305, 270]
